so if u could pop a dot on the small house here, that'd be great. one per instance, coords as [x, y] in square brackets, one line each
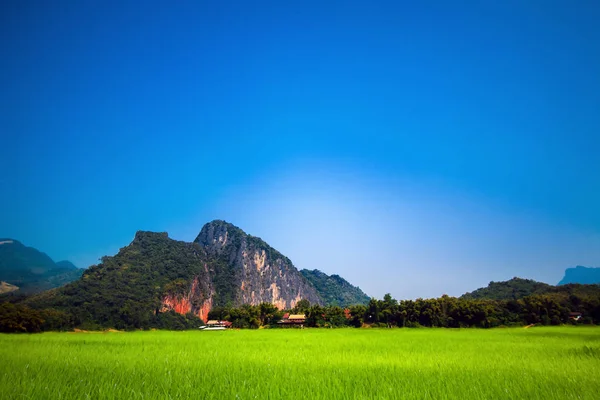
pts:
[218, 324]
[575, 316]
[293, 320]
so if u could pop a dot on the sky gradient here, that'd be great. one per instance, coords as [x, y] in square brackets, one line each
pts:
[416, 149]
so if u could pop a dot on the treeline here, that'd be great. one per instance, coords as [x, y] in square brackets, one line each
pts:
[553, 308]
[451, 312]
[19, 318]
[447, 312]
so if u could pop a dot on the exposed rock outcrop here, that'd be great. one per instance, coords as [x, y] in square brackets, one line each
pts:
[255, 272]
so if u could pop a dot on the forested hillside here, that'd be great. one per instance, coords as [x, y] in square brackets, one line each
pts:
[335, 290]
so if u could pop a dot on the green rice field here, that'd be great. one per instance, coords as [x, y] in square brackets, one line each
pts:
[511, 363]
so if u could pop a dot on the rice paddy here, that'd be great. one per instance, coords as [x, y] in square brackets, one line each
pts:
[512, 363]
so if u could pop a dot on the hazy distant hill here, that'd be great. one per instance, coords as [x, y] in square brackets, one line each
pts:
[335, 290]
[518, 288]
[513, 289]
[581, 274]
[31, 270]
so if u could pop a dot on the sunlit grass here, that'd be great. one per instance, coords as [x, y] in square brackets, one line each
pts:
[516, 363]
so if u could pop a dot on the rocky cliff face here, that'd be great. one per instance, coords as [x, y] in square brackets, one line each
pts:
[249, 271]
[195, 301]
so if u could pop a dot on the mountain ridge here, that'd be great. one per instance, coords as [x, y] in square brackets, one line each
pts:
[32, 270]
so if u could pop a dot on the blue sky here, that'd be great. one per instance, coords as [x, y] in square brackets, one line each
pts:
[416, 149]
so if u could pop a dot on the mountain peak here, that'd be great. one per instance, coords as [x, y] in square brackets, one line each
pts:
[217, 234]
[145, 235]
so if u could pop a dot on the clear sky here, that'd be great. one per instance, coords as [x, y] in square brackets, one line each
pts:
[416, 148]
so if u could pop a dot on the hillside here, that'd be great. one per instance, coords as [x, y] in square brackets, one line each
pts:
[513, 289]
[579, 274]
[135, 287]
[335, 290]
[31, 270]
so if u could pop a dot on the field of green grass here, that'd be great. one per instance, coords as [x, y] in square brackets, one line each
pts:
[516, 363]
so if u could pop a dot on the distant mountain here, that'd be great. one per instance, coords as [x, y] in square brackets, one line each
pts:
[513, 289]
[582, 275]
[335, 290]
[31, 270]
[154, 277]
[518, 288]
[66, 265]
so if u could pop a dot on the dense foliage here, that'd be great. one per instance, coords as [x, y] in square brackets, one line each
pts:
[31, 270]
[335, 290]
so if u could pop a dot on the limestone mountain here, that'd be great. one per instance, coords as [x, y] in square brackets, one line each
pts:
[579, 274]
[335, 290]
[31, 270]
[154, 277]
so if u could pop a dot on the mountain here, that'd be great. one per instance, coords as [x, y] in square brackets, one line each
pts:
[335, 290]
[154, 278]
[31, 270]
[581, 274]
[513, 289]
